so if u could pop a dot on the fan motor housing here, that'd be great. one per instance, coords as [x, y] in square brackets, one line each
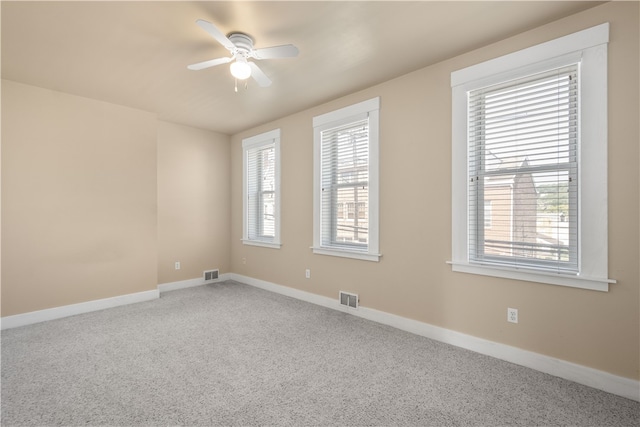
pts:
[242, 42]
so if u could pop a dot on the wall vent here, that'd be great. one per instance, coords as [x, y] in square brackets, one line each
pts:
[349, 300]
[210, 275]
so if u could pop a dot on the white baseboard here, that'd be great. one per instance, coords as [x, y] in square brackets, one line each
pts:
[190, 283]
[580, 374]
[24, 319]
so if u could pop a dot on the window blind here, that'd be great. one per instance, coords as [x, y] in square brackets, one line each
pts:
[523, 172]
[344, 179]
[261, 193]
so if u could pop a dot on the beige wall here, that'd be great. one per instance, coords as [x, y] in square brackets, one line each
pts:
[99, 200]
[193, 202]
[595, 329]
[78, 199]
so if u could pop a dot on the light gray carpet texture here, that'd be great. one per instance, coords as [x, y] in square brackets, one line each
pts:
[231, 354]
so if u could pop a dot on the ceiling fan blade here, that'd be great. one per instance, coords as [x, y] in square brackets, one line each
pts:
[209, 63]
[215, 33]
[284, 51]
[259, 76]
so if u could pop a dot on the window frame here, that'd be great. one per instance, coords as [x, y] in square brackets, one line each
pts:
[257, 142]
[589, 49]
[346, 115]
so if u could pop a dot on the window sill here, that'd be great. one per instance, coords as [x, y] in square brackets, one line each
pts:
[347, 254]
[262, 244]
[574, 281]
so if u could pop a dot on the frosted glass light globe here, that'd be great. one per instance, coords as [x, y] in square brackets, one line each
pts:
[240, 70]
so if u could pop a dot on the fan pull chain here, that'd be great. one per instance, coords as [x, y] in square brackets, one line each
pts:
[246, 85]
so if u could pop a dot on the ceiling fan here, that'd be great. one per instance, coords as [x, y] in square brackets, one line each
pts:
[240, 46]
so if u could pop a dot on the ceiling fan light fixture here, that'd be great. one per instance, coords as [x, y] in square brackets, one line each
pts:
[240, 46]
[240, 69]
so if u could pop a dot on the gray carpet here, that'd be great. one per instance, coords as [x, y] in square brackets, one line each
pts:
[231, 354]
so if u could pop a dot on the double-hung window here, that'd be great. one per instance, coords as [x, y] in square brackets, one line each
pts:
[346, 182]
[261, 188]
[530, 163]
[523, 163]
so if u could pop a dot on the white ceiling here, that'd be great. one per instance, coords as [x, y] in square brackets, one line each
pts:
[136, 53]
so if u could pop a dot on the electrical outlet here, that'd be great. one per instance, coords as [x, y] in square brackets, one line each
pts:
[244, 260]
[512, 315]
[177, 265]
[307, 273]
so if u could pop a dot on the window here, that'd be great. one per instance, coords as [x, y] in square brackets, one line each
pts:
[346, 182]
[529, 164]
[522, 140]
[261, 172]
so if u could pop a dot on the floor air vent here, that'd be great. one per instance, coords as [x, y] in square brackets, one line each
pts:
[210, 275]
[350, 300]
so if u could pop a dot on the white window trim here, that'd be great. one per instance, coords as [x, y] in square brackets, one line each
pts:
[348, 114]
[266, 138]
[590, 47]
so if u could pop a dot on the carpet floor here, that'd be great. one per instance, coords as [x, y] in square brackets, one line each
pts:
[231, 354]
